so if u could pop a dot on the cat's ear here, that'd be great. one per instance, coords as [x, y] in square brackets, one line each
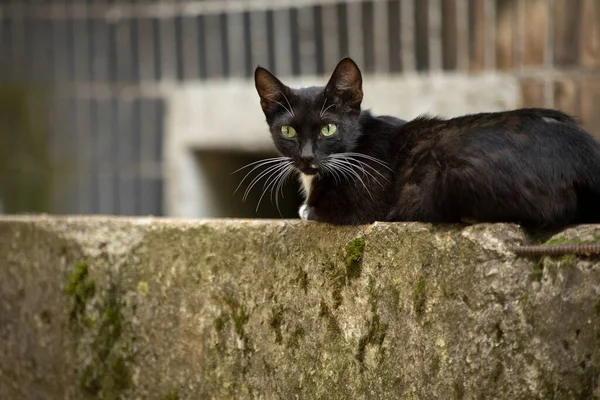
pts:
[269, 88]
[345, 84]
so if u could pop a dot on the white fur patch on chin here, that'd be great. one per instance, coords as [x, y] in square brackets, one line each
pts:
[303, 212]
[306, 181]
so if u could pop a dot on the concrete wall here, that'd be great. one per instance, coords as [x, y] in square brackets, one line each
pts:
[172, 309]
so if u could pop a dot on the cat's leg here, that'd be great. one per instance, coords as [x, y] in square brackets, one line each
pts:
[307, 213]
[303, 212]
[409, 206]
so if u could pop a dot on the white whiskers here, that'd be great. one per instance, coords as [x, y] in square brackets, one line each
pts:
[323, 109]
[288, 103]
[350, 167]
[275, 173]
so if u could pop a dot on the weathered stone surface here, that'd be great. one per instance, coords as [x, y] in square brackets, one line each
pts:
[171, 309]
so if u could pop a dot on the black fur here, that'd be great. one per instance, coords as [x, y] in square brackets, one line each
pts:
[532, 166]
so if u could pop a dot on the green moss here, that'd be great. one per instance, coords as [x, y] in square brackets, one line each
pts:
[240, 317]
[170, 396]
[106, 374]
[419, 296]
[332, 325]
[81, 289]
[275, 321]
[302, 279]
[525, 298]
[597, 307]
[375, 336]
[538, 270]
[142, 288]
[98, 326]
[295, 337]
[353, 257]
[568, 261]
[238, 314]
[552, 269]
[220, 323]
[557, 241]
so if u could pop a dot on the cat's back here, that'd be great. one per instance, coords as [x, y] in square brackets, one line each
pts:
[528, 129]
[534, 166]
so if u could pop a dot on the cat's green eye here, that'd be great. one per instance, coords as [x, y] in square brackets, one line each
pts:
[288, 131]
[328, 130]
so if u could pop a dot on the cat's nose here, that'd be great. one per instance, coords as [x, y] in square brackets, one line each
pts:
[307, 159]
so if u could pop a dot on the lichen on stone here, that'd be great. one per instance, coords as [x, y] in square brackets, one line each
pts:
[538, 270]
[98, 325]
[81, 289]
[170, 396]
[419, 296]
[353, 257]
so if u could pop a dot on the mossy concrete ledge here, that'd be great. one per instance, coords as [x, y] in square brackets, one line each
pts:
[122, 308]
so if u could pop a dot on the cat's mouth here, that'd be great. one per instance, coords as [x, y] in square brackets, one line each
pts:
[311, 169]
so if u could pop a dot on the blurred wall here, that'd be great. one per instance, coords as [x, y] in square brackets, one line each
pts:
[110, 71]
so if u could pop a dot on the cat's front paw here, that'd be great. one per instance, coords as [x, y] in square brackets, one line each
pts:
[303, 212]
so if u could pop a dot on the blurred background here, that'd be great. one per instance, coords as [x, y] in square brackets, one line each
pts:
[146, 107]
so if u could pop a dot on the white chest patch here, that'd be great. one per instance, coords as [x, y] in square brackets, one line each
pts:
[306, 181]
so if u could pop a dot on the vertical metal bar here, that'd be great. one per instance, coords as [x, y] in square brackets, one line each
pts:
[331, 39]
[158, 71]
[235, 47]
[82, 154]
[18, 46]
[94, 160]
[380, 36]
[104, 150]
[342, 23]
[189, 48]
[549, 56]
[168, 56]
[126, 157]
[449, 35]
[159, 123]
[490, 34]
[272, 60]
[307, 47]
[223, 19]
[295, 41]
[81, 48]
[462, 42]
[355, 33]
[282, 42]
[258, 36]
[395, 36]
[99, 51]
[435, 35]
[368, 39]
[179, 46]
[214, 60]
[134, 42]
[136, 164]
[422, 35]
[407, 15]
[319, 46]
[6, 49]
[146, 66]
[123, 53]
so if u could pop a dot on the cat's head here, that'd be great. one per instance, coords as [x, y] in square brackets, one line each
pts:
[309, 124]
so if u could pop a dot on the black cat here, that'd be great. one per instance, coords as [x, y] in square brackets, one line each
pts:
[532, 166]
